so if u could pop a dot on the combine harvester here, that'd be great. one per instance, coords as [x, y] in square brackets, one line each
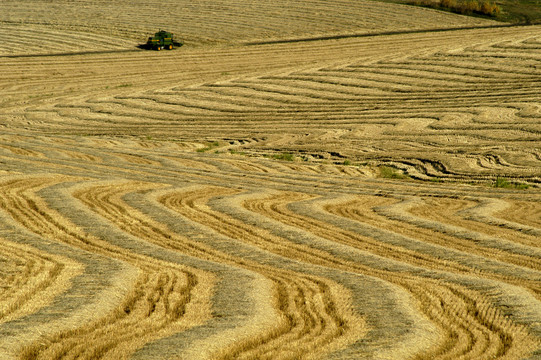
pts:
[162, 40]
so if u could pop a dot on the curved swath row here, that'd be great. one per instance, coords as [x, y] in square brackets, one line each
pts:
[311, 314]
[307, 244]
[519, 213]
[41, 27]
[30, 279]
[159, 217]
[460, 113]
[277, 208]
[160, 301]
[38, 39]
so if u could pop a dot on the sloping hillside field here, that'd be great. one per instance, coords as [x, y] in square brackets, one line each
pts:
[317, 180]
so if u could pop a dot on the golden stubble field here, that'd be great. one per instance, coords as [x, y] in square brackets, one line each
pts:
[254, 196]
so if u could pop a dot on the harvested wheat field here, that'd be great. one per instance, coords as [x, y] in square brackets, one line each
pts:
[308, 180]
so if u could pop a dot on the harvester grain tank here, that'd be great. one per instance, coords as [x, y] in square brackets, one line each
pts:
[162, 40]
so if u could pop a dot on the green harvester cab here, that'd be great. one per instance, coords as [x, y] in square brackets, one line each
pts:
[162, 40]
